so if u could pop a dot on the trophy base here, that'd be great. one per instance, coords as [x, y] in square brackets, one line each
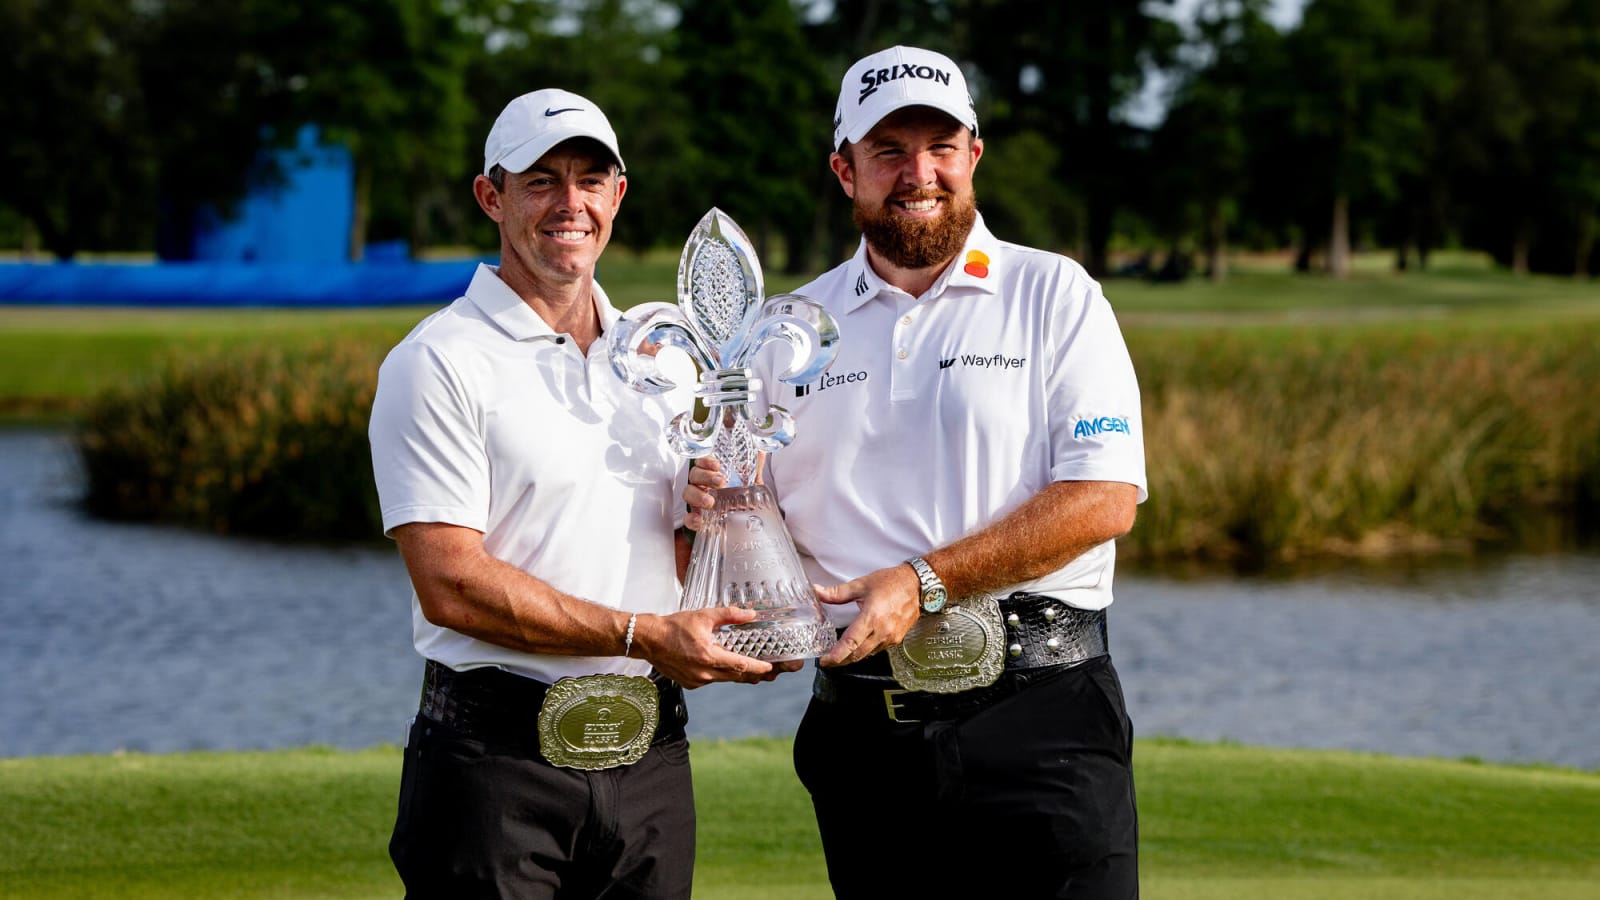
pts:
[745, 558]
[778, 641]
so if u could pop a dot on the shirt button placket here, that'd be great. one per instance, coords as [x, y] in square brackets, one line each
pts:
[901, 384]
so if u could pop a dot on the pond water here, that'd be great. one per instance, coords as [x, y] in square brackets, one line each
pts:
[133, 637]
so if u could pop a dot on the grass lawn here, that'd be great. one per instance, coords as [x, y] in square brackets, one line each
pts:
[1218, 821]
[1265, 291]
[52, 358]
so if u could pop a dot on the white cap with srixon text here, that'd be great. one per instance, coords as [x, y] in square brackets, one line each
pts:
[894, 79]
[533, 123]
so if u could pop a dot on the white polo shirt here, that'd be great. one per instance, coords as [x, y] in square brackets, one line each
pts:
[943, 413]
[487, 419]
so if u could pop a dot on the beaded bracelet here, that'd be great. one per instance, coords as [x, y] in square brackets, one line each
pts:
[627, 639]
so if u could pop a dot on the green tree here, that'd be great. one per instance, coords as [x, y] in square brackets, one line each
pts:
[762, 105]
[1066, 72]
[1363, 79]
[386, 78]
[1576, 167]
[1525, 120]
[213, 97]
[1202, 160]
[1020, 193]
[130, 102]
[75, 162]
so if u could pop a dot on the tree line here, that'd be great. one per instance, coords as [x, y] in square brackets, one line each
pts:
[1406, 124]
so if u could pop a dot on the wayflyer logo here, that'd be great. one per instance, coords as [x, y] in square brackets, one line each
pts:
[997, 361]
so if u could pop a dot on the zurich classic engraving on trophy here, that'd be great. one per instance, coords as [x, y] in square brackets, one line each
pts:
[743, 555]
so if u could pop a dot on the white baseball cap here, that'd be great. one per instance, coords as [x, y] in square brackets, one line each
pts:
[533, 123]
[893, 79]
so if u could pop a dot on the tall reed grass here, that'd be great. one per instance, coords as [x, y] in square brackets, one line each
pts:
[1262, 444]
[1267, 445]
[269, 441]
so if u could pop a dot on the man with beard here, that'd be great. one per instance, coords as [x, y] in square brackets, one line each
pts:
[965, 468]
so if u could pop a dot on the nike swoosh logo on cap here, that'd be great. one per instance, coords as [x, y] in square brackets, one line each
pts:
[557, 112]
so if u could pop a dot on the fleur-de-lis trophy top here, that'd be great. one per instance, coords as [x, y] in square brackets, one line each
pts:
[722, 320]
[744, 556]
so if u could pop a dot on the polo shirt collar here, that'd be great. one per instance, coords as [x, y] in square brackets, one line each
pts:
[517, 319]
[972, 269]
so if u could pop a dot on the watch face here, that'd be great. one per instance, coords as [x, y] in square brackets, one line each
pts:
[933, 601]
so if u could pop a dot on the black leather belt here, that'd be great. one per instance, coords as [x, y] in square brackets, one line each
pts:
[499, 707]
[1044, 636]
[1043, 631]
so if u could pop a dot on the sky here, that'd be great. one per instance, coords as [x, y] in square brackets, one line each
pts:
[1150, 107]
[1284, 13]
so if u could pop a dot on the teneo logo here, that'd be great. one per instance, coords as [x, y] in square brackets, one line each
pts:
[872, 79]
[997, 361]
[1103, 425]
[828, 381]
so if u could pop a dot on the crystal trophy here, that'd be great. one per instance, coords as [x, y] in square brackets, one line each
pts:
[743, 555]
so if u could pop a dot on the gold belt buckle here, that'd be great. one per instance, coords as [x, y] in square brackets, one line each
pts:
[889, 698]
[953, 651]
[598, 721]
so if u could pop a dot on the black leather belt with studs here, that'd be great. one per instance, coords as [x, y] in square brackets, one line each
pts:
[1042, 633]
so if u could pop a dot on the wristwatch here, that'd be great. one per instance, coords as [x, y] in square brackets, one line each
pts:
[933, 594]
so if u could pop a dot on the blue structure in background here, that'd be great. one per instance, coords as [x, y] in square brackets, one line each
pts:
[304, 218]
[286, 246]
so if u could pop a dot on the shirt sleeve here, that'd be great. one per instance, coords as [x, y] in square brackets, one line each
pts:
[1096, 431]
[429, 458]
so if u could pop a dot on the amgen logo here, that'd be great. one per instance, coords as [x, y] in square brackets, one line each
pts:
[1104, 424]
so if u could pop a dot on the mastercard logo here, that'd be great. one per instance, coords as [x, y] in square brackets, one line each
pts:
[977, 264]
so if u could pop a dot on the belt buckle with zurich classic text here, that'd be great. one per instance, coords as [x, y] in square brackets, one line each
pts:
[953, 651]
[598, 721]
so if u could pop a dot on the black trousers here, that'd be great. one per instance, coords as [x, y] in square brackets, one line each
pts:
[498, 821]
[1029, 797]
